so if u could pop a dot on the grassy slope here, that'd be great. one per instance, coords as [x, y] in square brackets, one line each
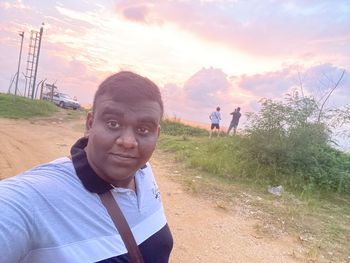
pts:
[19, 107]
[319, 221]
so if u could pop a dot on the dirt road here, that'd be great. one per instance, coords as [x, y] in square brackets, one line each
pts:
[202, 231]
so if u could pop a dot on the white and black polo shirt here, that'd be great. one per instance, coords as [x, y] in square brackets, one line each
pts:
[53, 213]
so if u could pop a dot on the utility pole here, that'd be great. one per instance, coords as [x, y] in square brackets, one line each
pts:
[37, 60]
[19, 61]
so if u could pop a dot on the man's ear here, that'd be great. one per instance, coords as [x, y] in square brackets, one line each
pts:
[88, 123]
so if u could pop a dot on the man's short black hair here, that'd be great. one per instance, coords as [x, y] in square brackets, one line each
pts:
[131, 87]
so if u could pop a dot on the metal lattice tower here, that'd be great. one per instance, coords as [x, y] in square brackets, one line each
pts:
[32, 62]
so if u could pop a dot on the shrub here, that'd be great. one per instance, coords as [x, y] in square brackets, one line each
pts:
[287, 137]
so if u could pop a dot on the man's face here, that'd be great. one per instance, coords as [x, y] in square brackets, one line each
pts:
[122, 137]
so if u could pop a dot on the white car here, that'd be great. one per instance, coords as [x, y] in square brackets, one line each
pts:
[62, 100]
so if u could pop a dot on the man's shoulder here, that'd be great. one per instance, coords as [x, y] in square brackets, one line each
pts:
[55, 167]
[215, 113]
[41, 176]
[146, 170]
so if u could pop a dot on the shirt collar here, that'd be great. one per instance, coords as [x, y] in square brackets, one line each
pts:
[91, 181]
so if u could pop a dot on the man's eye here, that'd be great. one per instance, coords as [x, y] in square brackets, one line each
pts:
[113, 124]
[143, 130]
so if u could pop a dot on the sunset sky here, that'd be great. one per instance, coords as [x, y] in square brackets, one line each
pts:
[201, 53]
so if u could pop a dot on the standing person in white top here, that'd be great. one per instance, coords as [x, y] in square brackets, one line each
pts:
[215, 118]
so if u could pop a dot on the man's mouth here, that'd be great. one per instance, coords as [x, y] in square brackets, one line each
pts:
[123, 156]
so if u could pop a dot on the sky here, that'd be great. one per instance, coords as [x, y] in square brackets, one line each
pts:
[201, 53]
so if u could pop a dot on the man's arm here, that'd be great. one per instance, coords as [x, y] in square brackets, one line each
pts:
[16, 220]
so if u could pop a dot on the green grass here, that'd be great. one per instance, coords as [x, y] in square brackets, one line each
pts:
[319, 218]
[319, 221]
[16, 107]
[227, 157]
[235, 158]
[175, 127]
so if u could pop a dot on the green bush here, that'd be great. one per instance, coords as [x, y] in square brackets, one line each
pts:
[288, 138]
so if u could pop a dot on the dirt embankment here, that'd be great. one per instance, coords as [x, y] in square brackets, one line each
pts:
[202, 231]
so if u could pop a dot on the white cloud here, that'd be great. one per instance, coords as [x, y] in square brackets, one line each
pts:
[18, 4]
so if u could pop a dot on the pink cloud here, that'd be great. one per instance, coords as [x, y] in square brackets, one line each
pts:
[316, 81]
[136, 13]
[261, 28]
[201, 94]
[71, 75]
[207, 87]
[270, 84]
[210, 87]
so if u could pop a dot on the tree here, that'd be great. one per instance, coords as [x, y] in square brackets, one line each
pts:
[336, 84]
[341, 118]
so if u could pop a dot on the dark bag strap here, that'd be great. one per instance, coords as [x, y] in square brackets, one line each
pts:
[122, 226]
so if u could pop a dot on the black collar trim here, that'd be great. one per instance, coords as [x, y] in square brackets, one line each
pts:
[91, 181]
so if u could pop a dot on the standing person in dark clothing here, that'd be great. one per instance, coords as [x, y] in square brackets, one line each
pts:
[235, 120]
[56, 212]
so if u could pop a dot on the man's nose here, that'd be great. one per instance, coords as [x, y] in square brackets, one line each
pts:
[127, 138]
